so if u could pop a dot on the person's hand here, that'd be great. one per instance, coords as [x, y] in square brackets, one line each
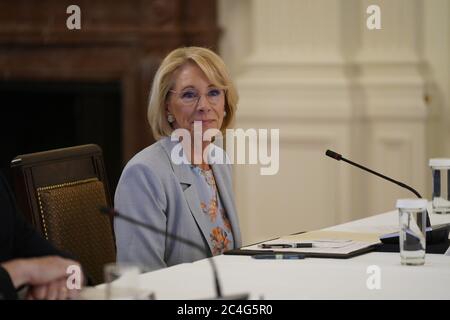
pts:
[47, 276]
[55, 290]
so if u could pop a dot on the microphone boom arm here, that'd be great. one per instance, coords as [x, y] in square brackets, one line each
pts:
[401, 184]
[114, 213]
[339, 157]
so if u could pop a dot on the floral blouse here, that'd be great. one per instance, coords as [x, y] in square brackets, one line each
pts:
[216, 219]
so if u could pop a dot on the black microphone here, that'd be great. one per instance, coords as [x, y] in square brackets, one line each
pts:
[436, 234]
[115, 214]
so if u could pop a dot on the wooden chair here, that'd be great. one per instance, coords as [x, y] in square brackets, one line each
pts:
[59, 192]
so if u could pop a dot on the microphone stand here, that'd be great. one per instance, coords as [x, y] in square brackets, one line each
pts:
[115, 214]
[434, 235]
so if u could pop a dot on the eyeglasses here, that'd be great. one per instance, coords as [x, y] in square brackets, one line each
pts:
[190, 96]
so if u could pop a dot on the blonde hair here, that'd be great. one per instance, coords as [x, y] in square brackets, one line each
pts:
[216, 72]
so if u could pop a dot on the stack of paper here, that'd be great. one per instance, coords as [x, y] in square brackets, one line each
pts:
[324, 243]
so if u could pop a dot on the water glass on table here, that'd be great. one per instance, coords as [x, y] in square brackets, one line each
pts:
[122, 281]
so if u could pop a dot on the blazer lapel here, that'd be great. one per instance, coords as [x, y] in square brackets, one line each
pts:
[193, 201]
[227, 201]
[184, 174]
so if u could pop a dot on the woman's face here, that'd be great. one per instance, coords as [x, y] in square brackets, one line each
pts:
[194, 98]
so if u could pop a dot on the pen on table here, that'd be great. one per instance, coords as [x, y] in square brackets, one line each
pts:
[277, 256]
[287, 245]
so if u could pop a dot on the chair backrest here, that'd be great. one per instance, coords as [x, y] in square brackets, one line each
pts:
[60, 192]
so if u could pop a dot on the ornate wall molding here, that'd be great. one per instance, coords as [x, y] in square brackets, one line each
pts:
[313, 70]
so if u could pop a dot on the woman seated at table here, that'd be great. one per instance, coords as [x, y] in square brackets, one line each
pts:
[194, 199]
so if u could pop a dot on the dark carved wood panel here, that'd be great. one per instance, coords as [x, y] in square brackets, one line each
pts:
[118, 41]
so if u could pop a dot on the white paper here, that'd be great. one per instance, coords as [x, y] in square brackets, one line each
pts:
[447, 253]
[334, 248]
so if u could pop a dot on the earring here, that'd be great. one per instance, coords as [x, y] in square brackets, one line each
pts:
[224, 113]
[170, 118]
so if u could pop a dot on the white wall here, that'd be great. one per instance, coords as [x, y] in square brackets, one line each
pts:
[312, 69]
[436, 52]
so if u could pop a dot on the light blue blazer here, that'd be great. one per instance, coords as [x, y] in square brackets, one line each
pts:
[158, 192]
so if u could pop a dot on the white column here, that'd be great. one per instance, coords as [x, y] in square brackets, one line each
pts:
[437, 56]
[291, 77]
[312, 69]
[392, 102]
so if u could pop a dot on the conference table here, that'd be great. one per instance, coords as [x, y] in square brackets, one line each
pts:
[311, 278]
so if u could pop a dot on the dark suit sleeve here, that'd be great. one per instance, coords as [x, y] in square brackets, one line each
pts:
[24, 241]
[18, 238]
[28, 243]
[7, 290]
